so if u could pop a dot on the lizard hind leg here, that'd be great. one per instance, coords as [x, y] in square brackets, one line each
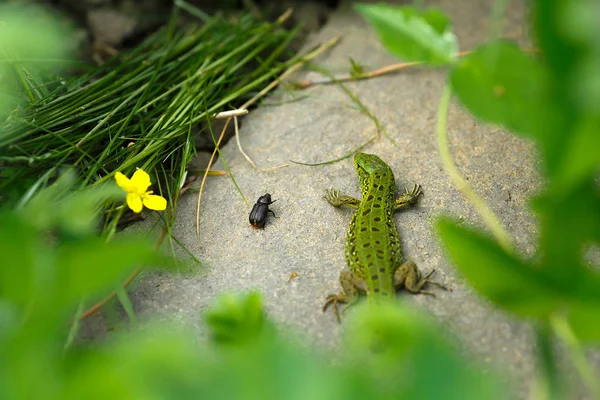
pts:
[409, 277]
[352, 284]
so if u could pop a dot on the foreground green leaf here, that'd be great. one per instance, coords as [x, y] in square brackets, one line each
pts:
[568, 221]
[73, 212]
[89, 266]
[404, 354]
[578, 160]
[584, 320]
[25, 53]
[236, 319]
[412, 34]
[501, 84]
[521, 288]
[23, 255]
[502, 278]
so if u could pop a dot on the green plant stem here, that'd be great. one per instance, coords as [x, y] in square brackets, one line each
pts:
[489, 218]
[347, 155]
[74, 329]
[549, 384]
[497, 19]
[356, 100]
[563, 330]
[126, 303]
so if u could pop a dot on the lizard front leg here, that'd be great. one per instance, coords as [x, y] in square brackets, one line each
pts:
[408, 198]
[409, 276]
[352, 284]
[336, 199]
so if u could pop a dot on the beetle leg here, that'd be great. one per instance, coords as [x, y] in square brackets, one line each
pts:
[271, 211]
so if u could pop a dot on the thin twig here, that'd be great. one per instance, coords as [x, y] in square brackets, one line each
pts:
[232, 113]
[288, 13]
[361, 106]
[318, 51]
[96, 307]
[212, 157]
[354, 77]
[239, 144]
[372, 74]
[303, 60]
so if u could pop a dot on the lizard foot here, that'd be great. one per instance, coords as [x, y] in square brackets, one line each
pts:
[429, 281]
[336, 199]
[333, 300]
[408, 275]
[426, 280]
[332, 196]
[408, 197]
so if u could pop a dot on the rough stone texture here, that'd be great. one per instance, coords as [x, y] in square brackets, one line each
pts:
[110, 26]
[309, 235]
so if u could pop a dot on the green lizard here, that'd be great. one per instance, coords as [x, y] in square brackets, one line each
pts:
[373, 250]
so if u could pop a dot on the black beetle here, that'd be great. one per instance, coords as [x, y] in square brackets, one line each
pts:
[258, 215]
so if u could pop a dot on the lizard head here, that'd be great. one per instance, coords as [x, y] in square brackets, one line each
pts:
[367, 164]
[370, 167]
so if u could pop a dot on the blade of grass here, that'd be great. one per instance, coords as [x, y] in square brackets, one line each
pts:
[74, 329]
[126, 303]
[347, 155]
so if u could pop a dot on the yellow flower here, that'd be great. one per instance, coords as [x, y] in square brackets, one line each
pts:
[137, 192]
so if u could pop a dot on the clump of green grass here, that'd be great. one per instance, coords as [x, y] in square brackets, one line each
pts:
[141, 108]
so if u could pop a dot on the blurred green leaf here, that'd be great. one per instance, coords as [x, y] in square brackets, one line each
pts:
[581, 28]
[275, 368]
[517, 286]
[584, 320]
[41, 200]
[73, 212]
[26, 52]
[24, 256]
[570, 50]
[568, 35]
[579, 159]
[389, 353]
[414, 35]
[405, 354]
[503, 278]
[501, 84]
[560, 53]
[236, 318]
[157, 363]
[78, 213]
[49, 39]
[86, 267]
[568, 221]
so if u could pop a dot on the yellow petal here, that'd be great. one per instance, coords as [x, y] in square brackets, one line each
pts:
[123, 182]
[154, 202]
[134, 201]
[141, 181]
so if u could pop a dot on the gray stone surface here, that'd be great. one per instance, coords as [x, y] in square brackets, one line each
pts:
[309, 235]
